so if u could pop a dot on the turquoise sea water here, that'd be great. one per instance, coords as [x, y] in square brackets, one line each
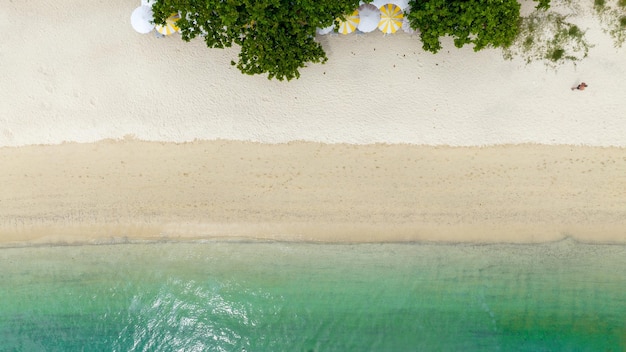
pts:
[309, 297]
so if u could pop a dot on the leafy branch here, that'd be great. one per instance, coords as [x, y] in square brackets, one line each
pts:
[276, 37]
[483, 23]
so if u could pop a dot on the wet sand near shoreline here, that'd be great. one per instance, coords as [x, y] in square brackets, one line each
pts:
[118, 191]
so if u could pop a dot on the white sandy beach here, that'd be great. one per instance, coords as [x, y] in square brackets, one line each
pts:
[348, 149]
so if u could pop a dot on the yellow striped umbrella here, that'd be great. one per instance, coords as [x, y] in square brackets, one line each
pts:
[350, 24]
[390, 18]
[170, 25]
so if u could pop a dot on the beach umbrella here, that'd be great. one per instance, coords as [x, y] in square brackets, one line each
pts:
[369, 17]
[170, 25]
[323, 31]
[402, 4]
[406, 26]
[141, 19]
[380, 3]
[350, 24]
[390, 18]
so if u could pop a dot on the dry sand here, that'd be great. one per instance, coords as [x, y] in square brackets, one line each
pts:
[76, 72]
[118, 191]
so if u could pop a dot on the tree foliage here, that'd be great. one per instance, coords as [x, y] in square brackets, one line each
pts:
[276, 37]
[483, 23]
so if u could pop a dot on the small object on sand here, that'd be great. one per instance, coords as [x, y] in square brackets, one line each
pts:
[581, 86]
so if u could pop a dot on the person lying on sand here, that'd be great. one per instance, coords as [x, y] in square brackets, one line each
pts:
[581, 86]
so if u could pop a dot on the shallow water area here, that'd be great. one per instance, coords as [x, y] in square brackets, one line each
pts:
[227, 296]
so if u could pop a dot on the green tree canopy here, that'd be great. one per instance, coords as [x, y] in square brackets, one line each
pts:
[276, 37]
[484, 23]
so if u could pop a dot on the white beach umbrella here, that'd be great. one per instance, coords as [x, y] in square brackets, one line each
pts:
[406, 26]
[141, 19]
[379, 3]
[170, 25]
[324, 31]
[402, 4]
[350, 24]
[369, 17]
[390, 18]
